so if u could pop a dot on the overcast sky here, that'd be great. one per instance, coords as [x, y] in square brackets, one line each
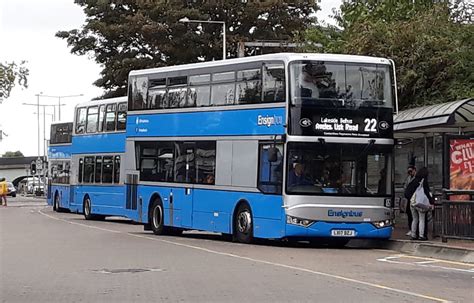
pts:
[27, 29]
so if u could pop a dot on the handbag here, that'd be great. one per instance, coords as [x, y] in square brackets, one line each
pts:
[419, 200]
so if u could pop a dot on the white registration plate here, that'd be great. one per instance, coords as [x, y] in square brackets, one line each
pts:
[343, 233]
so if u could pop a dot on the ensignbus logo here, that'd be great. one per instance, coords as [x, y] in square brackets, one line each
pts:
[344, 214]
[269, 120]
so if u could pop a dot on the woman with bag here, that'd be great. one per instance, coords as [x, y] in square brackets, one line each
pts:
[420, 199]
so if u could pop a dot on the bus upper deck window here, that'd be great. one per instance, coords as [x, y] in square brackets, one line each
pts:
[273, 83]
[110, 118]
[139, 90]
[81, 120]
[121, 116]
[92, 119]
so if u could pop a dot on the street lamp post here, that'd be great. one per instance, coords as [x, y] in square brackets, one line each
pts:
[224, 51]
[59, 102]
[38, 105]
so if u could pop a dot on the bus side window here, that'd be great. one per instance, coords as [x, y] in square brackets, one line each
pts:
[107, 169]
[98, 169]
[80, 172]
[206, 162]
[101, 118]
[249, 86]
[199, 91]
[81, 120]
[121, 116]
[92, 119]
[89, 169]
[110, 118]
[273, 83]
[223, 88]
[117, 169]
[270, 174]
[139, 92]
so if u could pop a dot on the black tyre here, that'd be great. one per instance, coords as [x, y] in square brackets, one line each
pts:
[87, 209]
[14, 195]
[243, 224]
[156, 218]
[56, 202]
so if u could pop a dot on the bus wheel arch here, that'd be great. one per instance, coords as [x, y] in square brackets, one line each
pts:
[242, 222]
[156, 214]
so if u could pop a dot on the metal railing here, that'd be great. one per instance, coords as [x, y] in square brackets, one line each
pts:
[455, 218]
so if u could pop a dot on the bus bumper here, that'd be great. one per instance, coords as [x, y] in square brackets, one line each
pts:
[324, 229]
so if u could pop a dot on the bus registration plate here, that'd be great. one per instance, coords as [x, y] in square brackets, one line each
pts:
[343, 233]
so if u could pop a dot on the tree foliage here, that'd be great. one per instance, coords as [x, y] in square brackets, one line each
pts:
[11, 154]
[137, 34]
[12, 74]
[431, 42]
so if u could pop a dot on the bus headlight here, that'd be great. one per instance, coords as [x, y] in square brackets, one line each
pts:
[298, 221]
[381, 224]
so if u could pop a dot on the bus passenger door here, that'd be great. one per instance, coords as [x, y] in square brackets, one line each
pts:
[185, 172]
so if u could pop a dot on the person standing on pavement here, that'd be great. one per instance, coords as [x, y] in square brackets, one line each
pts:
[419, 215]
[3, 191]
[411, 172]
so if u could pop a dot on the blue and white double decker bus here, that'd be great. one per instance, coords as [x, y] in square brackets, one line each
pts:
[59, 165]
[273, 146]
[98, 146]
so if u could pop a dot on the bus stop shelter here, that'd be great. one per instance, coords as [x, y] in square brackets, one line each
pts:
[441, 138]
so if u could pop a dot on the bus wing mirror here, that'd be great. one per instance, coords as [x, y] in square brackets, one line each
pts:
[272, 154]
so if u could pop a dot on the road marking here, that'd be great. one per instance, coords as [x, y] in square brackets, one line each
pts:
[374, 285]
[397, 259]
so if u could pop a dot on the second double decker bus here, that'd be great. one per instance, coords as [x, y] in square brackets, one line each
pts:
[98, 146]
[273, 146]
[59, 165]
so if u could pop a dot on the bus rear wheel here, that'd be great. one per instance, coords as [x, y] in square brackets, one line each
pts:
[157, 218]
[87, 209]
[243, 224]
[56, 202]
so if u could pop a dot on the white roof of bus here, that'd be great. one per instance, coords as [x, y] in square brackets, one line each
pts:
[103, 101]
[287, 57]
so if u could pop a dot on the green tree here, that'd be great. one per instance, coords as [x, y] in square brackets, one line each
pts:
[137, 34]
[11, 74]
[10, 154]
[431, 42]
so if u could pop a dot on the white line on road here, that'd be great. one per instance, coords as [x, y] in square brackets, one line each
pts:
[379, 286]
[396, 260]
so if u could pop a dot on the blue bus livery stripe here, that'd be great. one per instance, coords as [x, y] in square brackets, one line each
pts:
[60, 152]
[99, 143]
[263, 121]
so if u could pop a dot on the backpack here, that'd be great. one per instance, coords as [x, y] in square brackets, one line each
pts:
[419, 200]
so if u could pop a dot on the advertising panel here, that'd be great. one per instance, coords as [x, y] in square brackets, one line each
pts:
[461, 165]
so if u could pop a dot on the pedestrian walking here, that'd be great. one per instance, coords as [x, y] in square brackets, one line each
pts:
[3, 191]
[414, 193]
[411, 172]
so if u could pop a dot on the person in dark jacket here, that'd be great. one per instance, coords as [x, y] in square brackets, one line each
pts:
[419, 215]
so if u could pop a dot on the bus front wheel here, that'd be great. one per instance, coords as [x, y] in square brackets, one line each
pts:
[156, 218]
[243, 224]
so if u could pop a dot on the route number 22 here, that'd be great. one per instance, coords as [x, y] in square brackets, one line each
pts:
[370, 125]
